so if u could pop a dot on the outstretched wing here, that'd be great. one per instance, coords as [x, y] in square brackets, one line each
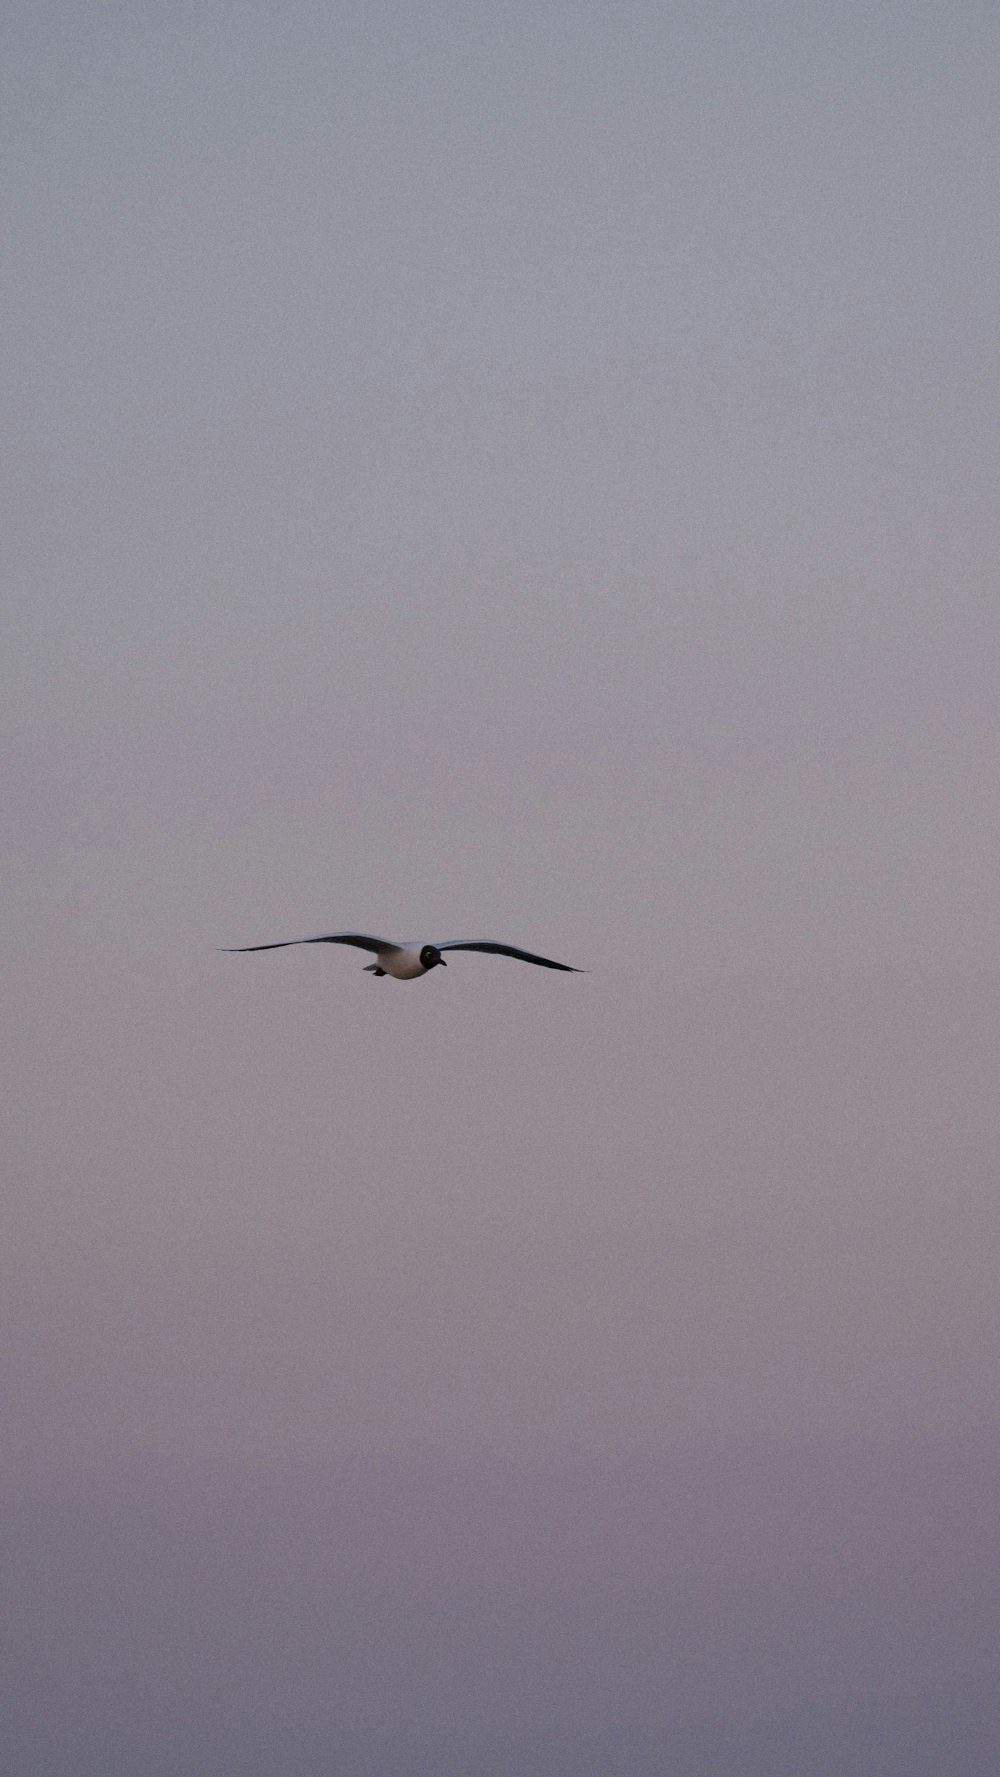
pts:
[360, 941]
[524, 956]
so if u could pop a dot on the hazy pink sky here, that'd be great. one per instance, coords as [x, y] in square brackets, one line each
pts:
[530, 472]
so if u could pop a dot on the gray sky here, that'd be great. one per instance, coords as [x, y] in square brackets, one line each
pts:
[527, 472]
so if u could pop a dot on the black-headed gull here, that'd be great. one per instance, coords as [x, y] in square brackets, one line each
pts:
[406, 962]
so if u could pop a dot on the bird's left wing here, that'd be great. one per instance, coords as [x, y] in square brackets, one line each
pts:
[360, 941]
[493, 949]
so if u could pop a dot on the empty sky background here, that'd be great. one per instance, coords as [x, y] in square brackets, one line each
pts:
[523, 471]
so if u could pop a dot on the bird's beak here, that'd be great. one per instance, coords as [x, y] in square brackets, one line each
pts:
[441, 960]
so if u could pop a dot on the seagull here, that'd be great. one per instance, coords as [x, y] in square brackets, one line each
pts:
[407, 962]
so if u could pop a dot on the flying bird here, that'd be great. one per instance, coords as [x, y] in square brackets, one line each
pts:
[406, 962]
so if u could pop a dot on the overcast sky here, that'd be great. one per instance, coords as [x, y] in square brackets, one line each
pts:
[524, 471]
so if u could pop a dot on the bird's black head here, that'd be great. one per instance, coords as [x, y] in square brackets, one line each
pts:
[430, 956]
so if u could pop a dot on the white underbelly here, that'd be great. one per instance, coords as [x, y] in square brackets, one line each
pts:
[404, 965]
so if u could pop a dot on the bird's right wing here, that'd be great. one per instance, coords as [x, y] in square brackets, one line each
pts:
[493, 949]
[360, 941]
